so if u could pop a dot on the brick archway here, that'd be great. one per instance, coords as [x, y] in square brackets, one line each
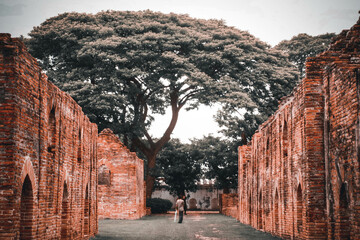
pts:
[28, 170]
[65, 213]
[299, 209]
[52, 137]
[260, 211]
[276, 211]
[28, 192]
[27, 209]
[267, 153]
[87, 211]
[250, 207]
[343, 219]
[79, 145]
[285, 148]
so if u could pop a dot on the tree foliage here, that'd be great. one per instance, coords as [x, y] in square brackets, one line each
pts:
[123, 67]
[178, 168]
[273, 78]
[219, 159]
[238, 121]
[181, 166]
[302, 46]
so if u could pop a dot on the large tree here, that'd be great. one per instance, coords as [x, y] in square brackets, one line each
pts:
[123, 67]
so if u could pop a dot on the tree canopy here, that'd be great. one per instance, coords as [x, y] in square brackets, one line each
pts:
[179, 170]
[239, 121]
[219, 160]
[123, 67]
[302, 46]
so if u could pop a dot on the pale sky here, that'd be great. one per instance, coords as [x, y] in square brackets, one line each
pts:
[269, 20]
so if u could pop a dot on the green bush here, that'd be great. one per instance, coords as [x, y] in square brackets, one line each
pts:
[158, 205]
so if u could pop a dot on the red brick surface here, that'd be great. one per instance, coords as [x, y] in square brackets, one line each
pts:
[121, 189]
[48, 171]
[229, 205]
[300, 175]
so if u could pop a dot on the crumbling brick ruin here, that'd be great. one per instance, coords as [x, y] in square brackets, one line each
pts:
[48, 171]
[300, 175]
[121, 189]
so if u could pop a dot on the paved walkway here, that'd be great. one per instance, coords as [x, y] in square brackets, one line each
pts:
[195, 226]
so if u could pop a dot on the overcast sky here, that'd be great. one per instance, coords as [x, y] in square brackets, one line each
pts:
[269, 20]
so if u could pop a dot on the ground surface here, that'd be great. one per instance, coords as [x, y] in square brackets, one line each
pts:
[194, 226]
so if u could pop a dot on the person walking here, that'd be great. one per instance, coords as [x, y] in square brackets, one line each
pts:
[185, 205]
[179, 205]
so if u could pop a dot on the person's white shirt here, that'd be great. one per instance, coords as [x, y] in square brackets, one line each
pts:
[180, 204]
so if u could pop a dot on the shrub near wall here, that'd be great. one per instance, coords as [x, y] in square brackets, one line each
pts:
[158, 205]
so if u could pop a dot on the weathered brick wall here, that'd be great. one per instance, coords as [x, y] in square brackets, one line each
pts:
[121, 180]
[229, 204]
[341, 131]
[300, 175]
[48, 164]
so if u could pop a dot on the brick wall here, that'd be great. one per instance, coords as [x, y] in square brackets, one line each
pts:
[48, 170]
[121, 180]
[229, 205]
[300, 175]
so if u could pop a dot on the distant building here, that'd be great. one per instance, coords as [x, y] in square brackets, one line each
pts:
[205, 198]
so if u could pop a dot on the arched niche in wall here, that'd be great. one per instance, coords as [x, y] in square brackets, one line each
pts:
[285, 141]
[27, 209]
[192, 203]
[267, 153]
[344, 221]
[299, 209]
[260, 211]
[250, 207]
[79, 145]
[87, 212]
[104, 175]
[52, 131]
[214, 204]
[285, 149]
[65, 213]
[276, 211]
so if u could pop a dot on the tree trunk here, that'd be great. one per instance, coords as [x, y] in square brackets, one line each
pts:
[151, 149]
[150, 180]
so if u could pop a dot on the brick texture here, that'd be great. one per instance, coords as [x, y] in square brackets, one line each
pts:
[121, 180]
[229, 205]
[48, 170]
[299, 177]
